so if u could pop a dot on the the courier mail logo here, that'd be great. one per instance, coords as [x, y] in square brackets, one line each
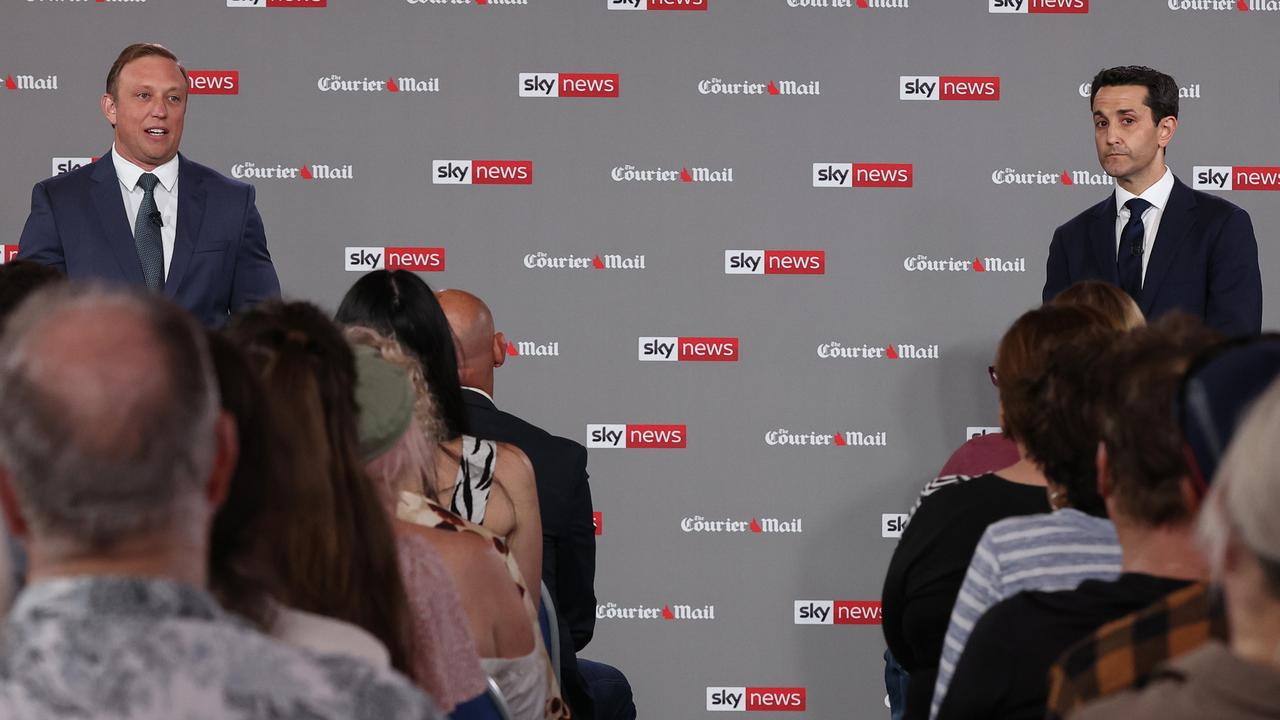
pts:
[775, 262]
[688, 349]
[657, 4]
[948, 87]
[277, 3]
[418, 259]
[637, 436]
[1238, 177]
[756, 699]
[837, 612]
[1068, 7]
[482, 172]
[569, 85]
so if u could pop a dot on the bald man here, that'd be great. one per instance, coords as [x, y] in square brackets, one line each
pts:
[564, 496]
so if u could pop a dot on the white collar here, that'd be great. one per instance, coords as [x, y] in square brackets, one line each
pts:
[1157, 194]
[129, 173]
[478, 390]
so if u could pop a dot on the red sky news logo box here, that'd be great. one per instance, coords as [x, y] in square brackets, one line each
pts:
[657, 4]
[688, 349]
[948, 87]
[637, 436]
[418, 259]
[597, 521]
[213, 82]
[756, 699]
[570, 85]
[482, 172]
[7, 253]
[1237, 177]
[863, 175]
[837, 612]
[1068, 7]
[775, 262]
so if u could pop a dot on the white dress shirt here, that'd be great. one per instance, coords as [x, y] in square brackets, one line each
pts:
[166, 193]
[1158, 196]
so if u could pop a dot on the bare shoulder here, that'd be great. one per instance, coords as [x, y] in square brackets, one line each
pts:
[512, 462]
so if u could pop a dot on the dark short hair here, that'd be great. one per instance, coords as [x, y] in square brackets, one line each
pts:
[135, 52]
[1162, 91]
[1121, 311]
[1138, 384]
[20, 278]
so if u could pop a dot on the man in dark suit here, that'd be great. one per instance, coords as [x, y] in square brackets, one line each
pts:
[564, 498]
[143, 214]
[1168, 246]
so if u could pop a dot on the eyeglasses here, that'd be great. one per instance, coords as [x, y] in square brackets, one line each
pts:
[995, 379]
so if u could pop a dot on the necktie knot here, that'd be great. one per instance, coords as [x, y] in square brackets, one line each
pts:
[147, 181]
[1136, 207]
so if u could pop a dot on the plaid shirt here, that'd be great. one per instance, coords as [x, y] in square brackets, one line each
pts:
[1122, 654]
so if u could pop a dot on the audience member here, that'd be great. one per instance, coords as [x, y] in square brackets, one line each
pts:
[1144, 480]
[929, 563]
[113, 458]
[564, 499]
[345, 560]
[1056, 551]
[1219, 388]
[488, 483]
[500, 611]
[1238, 529]
[256, 516]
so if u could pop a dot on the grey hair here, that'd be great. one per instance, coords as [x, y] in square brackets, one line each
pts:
[98, 449]
[1245, 499]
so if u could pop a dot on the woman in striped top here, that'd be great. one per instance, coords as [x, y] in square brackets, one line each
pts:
[1054, 551]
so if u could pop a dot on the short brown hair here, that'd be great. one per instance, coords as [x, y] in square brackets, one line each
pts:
[134, 52]
[1024, 350]
[1117, 305]
[1139, 381]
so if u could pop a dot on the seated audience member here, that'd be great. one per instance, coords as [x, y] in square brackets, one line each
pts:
[253, 524]
[929, 563]
[1057, 551]
[113, 458]
[1220, 386]
[1238, 529]
[1149, 496]
[500, 614]
[488, 483]
[564, 500]
[343, 558]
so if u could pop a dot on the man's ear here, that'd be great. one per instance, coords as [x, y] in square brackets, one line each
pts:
[12, 509]
[108, 105]
[1165, 129]
[499, 349]
[226, 454]
[1191, 498]
[1101, 460]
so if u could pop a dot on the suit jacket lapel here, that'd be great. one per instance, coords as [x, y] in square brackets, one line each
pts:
[1102, 235]
[1176, 223]
[114, 221]
[191, 196]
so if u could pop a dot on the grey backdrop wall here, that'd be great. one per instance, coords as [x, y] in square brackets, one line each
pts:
[986, 183]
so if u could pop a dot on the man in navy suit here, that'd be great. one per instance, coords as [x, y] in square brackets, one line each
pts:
[145, 215]
[1168, 246]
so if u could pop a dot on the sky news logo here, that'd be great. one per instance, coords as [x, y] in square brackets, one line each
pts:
[418, 259]
[775, 262]
[645, 437]
[525, 348]
[213, 82]
[837, 612]
[657, 4]
[30, 82]
[688, 349]
[482, 172]
[756, 699]
[892, 524]
[863, 175]
[7, 253]
[1056, 7]
[976, 431]
[1237, 177]
[948, 87]
[67, 164]
[597, 521]
[277, 3]
[570, 85]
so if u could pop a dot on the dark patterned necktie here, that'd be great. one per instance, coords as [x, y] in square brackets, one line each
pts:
[146, 234]
[1129, 254]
